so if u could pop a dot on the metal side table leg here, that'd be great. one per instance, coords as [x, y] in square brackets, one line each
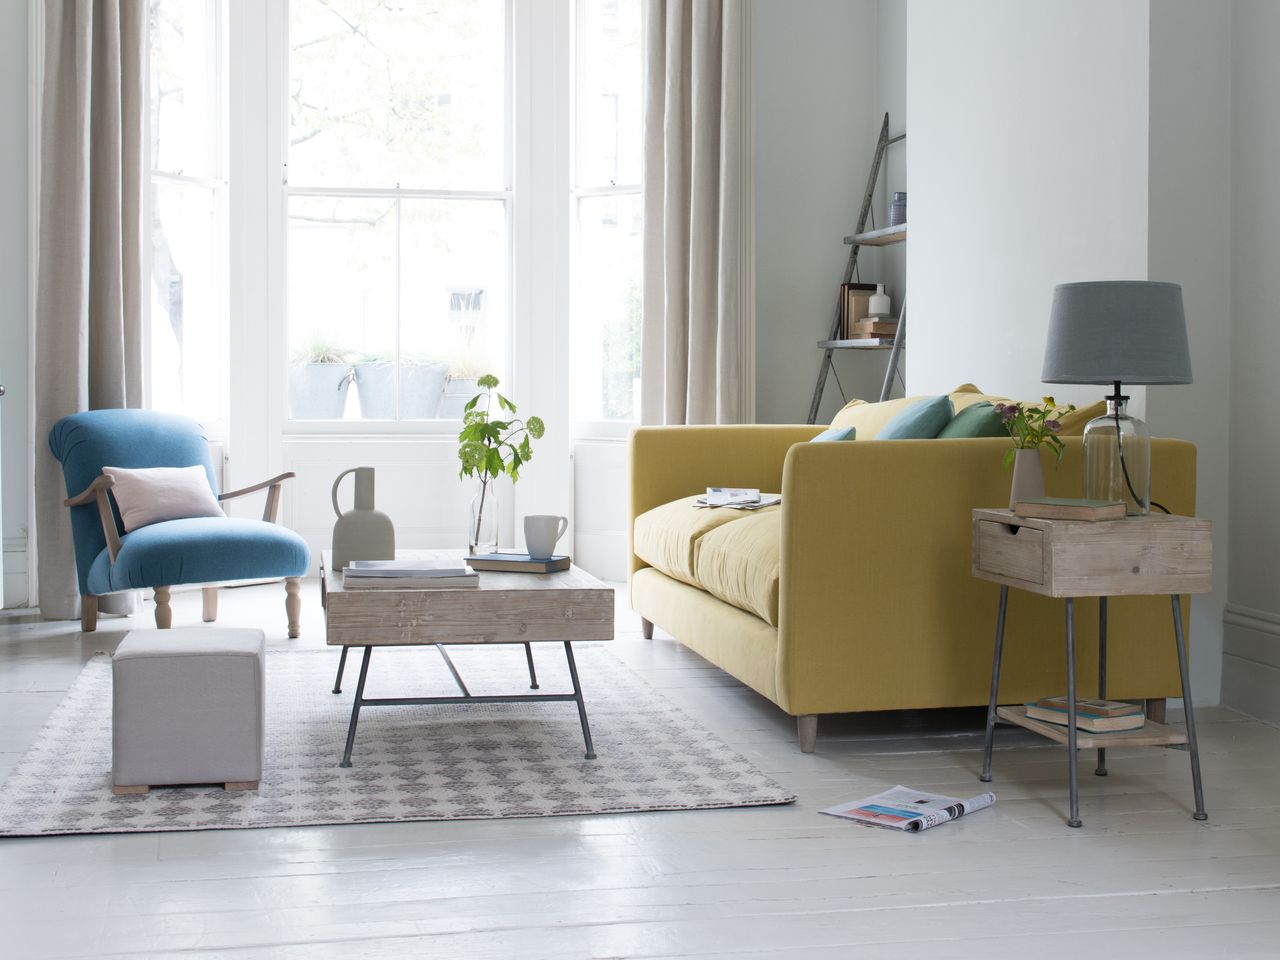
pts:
[1072, 772]
[577, 696]
[342, 666]
[995, 686]
[355, 708]
[1101, 769]
[1188, 711]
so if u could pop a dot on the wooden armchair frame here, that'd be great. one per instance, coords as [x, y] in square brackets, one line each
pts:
[97, 492]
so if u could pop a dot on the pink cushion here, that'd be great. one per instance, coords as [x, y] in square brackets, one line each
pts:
[155, 494]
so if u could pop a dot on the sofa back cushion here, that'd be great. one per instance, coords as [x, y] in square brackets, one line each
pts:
[920, 421]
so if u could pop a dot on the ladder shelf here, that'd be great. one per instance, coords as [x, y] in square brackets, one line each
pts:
[862, 237]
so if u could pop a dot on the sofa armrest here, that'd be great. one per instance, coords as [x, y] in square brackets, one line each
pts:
[875, 567]
[667, 463]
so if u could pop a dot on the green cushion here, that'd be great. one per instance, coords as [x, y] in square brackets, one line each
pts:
[835, 433]
[978, 420]
[920, 421]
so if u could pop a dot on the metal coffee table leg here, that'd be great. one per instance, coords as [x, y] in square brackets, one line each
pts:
[577, 696]
[533, 674]
[355, 708]
[342, 665]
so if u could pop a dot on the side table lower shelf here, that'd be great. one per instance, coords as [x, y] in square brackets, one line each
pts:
[1151, 734]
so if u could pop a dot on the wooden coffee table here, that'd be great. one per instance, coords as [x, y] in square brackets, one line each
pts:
[522, 608]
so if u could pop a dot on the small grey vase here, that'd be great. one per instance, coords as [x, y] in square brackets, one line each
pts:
[1028, 476]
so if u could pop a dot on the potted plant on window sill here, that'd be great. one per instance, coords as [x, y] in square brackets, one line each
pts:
[490, 448]
[319, 376]
[421, 386]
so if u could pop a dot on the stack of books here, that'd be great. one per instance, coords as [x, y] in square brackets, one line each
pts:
[408, 575]
[1092, 716]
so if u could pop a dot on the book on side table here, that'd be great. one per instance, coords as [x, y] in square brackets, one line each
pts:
[519, 563]
[1092, 716]
[1069, 508]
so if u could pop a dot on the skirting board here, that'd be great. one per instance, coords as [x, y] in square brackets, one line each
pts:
[1251, 662]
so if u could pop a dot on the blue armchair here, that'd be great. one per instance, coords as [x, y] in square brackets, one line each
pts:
[204, 550]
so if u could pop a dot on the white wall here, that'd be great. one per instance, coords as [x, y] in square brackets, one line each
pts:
[1189, 227]
[15, 463]
[1028, 167]
[1251, 667]
[816, 120]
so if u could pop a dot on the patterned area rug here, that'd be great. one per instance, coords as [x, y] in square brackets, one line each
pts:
[410, 763]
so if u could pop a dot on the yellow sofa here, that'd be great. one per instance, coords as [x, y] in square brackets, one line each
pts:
[855, 593]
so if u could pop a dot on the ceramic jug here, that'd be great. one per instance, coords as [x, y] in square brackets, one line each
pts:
[362, 533]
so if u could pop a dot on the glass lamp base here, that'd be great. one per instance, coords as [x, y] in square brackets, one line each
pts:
[1117, 458]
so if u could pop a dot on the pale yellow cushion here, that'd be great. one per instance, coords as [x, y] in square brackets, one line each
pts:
[1073, 424]
[666, 537]
[148, 495]
[739, 562]
[869, 418]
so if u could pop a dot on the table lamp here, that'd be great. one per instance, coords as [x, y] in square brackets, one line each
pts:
[1117, 332]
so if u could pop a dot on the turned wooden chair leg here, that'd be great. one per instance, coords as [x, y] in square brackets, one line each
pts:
[88, 614]
[164, 612]
[807, 726]
[646, 627]
[293, 605]
[210, 595]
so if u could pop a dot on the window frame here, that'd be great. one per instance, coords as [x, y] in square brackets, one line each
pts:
[584, 429]
[218, 183]
[279, 53]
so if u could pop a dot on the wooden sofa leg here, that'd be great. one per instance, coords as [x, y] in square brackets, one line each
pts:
[88, 614]
[164, 612]
[807, 726]
[1156, 710]
[210, 603]
[646, 628]
[293, 605]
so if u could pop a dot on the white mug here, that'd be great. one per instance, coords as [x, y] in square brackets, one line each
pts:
[541, 533]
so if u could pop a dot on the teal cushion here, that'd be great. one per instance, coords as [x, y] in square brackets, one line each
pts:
[835, 433]
[978, 420]
[920, 421]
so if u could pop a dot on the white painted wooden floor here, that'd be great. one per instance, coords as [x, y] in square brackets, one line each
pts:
[1141, 879]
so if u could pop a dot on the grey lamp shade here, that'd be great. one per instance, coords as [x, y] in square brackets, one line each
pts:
[1132, 331]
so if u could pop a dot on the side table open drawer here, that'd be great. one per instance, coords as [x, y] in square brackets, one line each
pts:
[1006, 550]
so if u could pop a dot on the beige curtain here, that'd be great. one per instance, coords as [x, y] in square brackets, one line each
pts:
[89, 294]
[697, 338]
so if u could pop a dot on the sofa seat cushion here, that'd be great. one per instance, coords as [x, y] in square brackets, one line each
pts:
[200, 550]
[667, 537]
[739, 563]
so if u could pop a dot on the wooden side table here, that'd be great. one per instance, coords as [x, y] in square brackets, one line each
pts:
[1137, 556]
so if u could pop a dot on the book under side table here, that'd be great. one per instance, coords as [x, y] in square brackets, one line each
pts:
[523, 608]
[1069, 559]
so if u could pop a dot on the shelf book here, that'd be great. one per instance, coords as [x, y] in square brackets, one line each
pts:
[1092, 716]
[1070, 508]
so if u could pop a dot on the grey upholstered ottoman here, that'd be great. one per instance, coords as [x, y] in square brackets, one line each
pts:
[188, 706]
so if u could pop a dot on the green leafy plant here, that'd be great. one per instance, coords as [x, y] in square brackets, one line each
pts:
[489, 448]
[322, 351]
[1033, 426]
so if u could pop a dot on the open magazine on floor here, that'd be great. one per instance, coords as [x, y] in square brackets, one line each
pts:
[902, 808]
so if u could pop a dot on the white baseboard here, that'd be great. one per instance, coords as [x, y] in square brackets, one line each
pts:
[15, 572]
[1251, 661]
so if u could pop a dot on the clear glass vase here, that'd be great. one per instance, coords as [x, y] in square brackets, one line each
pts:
[482, 535]
[1117, 458]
